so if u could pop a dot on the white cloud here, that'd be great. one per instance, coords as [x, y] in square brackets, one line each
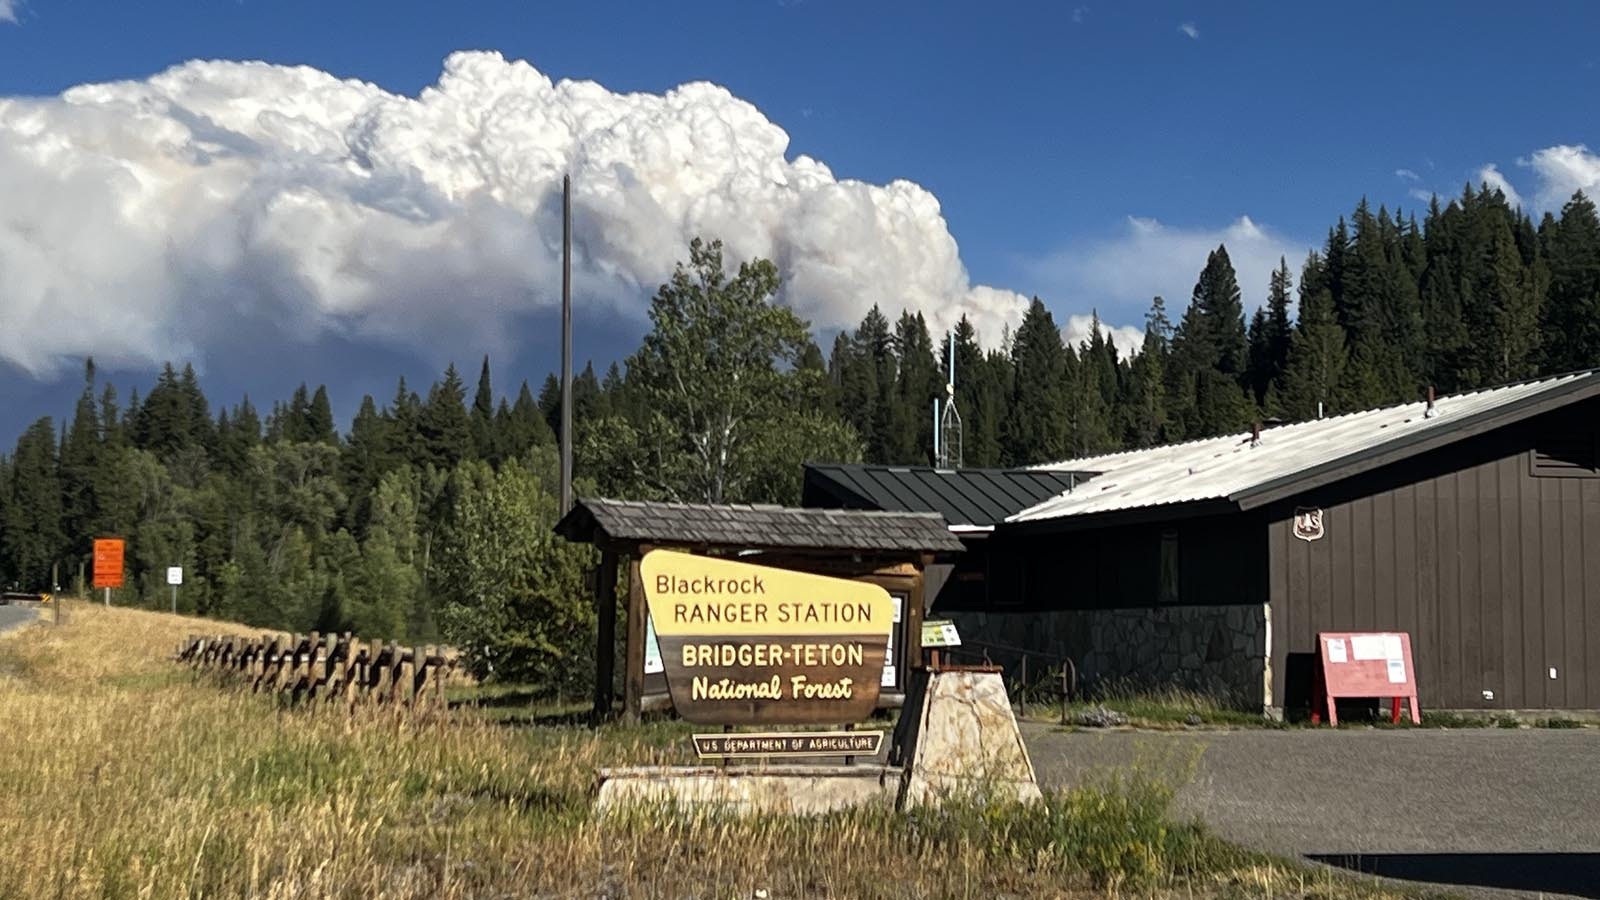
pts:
[8, 10]
[1189, 30]
[1563, 170]
[1078, 12]
[1491, 176]
[157, 219]
[1407, 174]
[1126, 338]
[1120, 275]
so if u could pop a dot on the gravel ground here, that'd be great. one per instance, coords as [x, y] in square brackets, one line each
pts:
[1515, 809]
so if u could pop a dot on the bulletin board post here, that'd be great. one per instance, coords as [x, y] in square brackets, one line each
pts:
[1361, 665]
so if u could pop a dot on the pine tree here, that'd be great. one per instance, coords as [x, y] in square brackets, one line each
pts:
[917, 384]
[1090, 384]
[483, 431]
[319, 419]
[443, 428]
[527, 428]
[33, 541]
[1147, 379]
[1035, 431]
[863, 370]
[1572, 313]
[1209, 348]
[111, 425]
[1315, 375]
[80, 457]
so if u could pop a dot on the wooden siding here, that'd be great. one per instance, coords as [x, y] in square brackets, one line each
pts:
[1493, 570]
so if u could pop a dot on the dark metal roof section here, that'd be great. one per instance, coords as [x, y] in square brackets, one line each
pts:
[971, 497]
[754, 527]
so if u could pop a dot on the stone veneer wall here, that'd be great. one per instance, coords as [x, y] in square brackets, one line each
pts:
[1222, 651]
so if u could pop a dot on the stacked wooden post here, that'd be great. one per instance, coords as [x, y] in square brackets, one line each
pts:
[327, 668]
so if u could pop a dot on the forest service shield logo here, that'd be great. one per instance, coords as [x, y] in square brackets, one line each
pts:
[1308, 523]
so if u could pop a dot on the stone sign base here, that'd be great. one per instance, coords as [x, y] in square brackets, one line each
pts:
[783, 789]
[961, 739]
[956, 738]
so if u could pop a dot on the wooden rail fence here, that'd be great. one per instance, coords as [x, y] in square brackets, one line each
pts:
[328, 668]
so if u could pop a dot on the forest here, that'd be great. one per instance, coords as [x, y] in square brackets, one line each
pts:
[430, 517]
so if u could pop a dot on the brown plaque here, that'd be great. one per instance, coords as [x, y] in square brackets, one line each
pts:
[795, 743]
[746, 644]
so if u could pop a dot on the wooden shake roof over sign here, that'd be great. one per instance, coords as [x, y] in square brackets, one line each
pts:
[755, 527]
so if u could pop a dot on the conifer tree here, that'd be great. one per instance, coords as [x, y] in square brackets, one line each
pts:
[80, 458]
[483, 430]
[1035, 430]
[1147, 415]
[917, 383]
[442, 425]
[319, 418]
[33, 540]
[1572, 313]
[1315, 375]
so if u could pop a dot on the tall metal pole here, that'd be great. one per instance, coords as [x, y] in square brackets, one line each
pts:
[566, 343]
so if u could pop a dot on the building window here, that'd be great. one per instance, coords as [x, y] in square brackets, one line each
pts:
[1167, 587]
[1566, 456]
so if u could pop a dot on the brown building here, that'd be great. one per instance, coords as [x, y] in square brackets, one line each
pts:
[1471, 522]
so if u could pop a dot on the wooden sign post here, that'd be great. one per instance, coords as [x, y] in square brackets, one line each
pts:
[108, 564]
[743, 644]
[1364, 664]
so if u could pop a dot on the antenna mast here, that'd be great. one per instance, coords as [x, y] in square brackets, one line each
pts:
[947, 437]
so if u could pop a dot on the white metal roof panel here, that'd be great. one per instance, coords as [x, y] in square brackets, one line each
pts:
[1217, 468]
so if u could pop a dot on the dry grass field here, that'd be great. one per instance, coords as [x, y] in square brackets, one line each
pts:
[125, 775]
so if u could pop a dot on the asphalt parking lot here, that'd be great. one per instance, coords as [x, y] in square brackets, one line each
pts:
[12, 615]
[1488, 812]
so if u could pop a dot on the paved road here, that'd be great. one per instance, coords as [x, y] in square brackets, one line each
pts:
[12, 616]
[1481, 808]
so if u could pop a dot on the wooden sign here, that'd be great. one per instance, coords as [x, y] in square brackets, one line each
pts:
[1364, 664]
[108, 562]
[797, 743]
[747, 644]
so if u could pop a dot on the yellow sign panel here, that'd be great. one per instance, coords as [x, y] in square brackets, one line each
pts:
[742, 643]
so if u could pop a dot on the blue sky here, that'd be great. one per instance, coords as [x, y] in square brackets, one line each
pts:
[1080, 151]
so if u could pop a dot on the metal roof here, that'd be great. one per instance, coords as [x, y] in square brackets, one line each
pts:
[964, 497]
[1296, 457]
[754, 527]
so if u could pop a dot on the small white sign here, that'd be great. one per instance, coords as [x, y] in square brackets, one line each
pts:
[1392, 648]
[1336, 650]
[888, 677]
[174, 575]
[1367, 646]
[940, 633]
[1397, 671]
[652, 649]
[896, 599]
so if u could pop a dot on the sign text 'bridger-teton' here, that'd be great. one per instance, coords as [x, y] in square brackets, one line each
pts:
[751, 644]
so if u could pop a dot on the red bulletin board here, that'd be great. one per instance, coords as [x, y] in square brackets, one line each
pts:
[1360, 664]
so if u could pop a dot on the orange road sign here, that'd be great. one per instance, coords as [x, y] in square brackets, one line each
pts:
[108, 562]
